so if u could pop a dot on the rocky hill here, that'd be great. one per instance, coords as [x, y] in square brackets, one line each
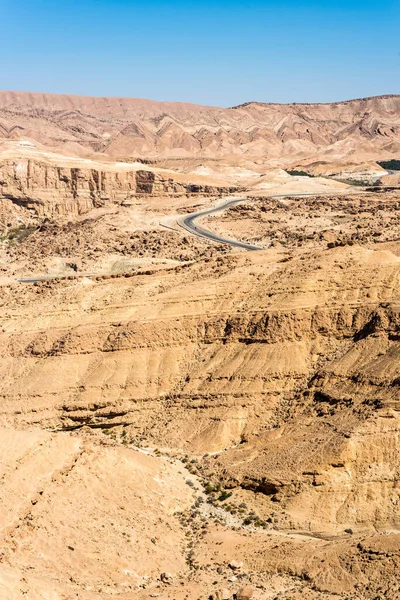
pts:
[367, 128]
[48, 190]
[182, 419]
[226, 425]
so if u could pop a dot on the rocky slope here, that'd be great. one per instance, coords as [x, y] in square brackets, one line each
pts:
[121, 127]
[313, 222]
[188, 421]
[273, 376]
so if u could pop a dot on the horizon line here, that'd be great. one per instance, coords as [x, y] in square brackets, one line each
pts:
[234, 107]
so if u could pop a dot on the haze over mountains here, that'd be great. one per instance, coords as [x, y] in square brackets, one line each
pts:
[119, 128]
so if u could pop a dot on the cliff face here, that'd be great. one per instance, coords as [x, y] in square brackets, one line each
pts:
[51, 190]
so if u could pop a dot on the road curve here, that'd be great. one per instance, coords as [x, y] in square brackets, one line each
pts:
[188, 223]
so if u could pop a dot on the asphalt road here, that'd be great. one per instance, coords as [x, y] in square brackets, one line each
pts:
[52, 277]
[188, 222]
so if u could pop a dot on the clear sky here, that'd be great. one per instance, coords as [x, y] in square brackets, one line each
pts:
[216, 53]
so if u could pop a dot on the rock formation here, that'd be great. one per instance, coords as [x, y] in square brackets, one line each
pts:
[122, 127]
[60, 190]
[183, 419]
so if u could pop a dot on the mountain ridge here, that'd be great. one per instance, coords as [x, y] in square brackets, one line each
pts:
[365, 129]
[383, 96]
[183, 102]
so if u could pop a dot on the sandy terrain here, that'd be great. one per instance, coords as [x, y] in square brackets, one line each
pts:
[313, 222]
[164, 361]
[273, 377]
[181, 419]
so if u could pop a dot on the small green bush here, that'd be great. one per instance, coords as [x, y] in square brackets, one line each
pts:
[17, 234]
[224, 495]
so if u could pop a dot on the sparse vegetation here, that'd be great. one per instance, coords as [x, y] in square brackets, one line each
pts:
[298, 173]
[15, 235]
[355, 182]
[390, 165]
[224, 495]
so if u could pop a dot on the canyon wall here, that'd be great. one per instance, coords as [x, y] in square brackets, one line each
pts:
[51, 190]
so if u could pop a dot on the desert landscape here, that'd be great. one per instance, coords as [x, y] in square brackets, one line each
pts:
[200, 332]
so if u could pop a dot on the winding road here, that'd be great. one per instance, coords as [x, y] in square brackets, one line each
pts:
[188, 221]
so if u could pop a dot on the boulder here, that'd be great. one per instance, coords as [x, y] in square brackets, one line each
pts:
[167, 578]
[235, 565]
[245, 593]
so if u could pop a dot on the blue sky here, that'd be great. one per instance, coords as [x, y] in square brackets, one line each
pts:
[215, 53]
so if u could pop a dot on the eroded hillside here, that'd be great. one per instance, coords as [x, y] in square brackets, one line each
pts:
[128, 127]
[224, 424]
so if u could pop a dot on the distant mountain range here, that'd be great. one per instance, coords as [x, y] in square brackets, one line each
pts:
[123, 128]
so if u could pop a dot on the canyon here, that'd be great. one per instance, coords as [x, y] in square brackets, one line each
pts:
[185, 419]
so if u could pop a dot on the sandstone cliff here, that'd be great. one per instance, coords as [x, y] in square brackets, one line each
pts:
[51, 190]
[308, 372]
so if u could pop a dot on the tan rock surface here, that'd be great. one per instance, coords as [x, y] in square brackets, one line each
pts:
[172, 408]
[122, 127]
[288, 370]
[72, 514]
[54, 190]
